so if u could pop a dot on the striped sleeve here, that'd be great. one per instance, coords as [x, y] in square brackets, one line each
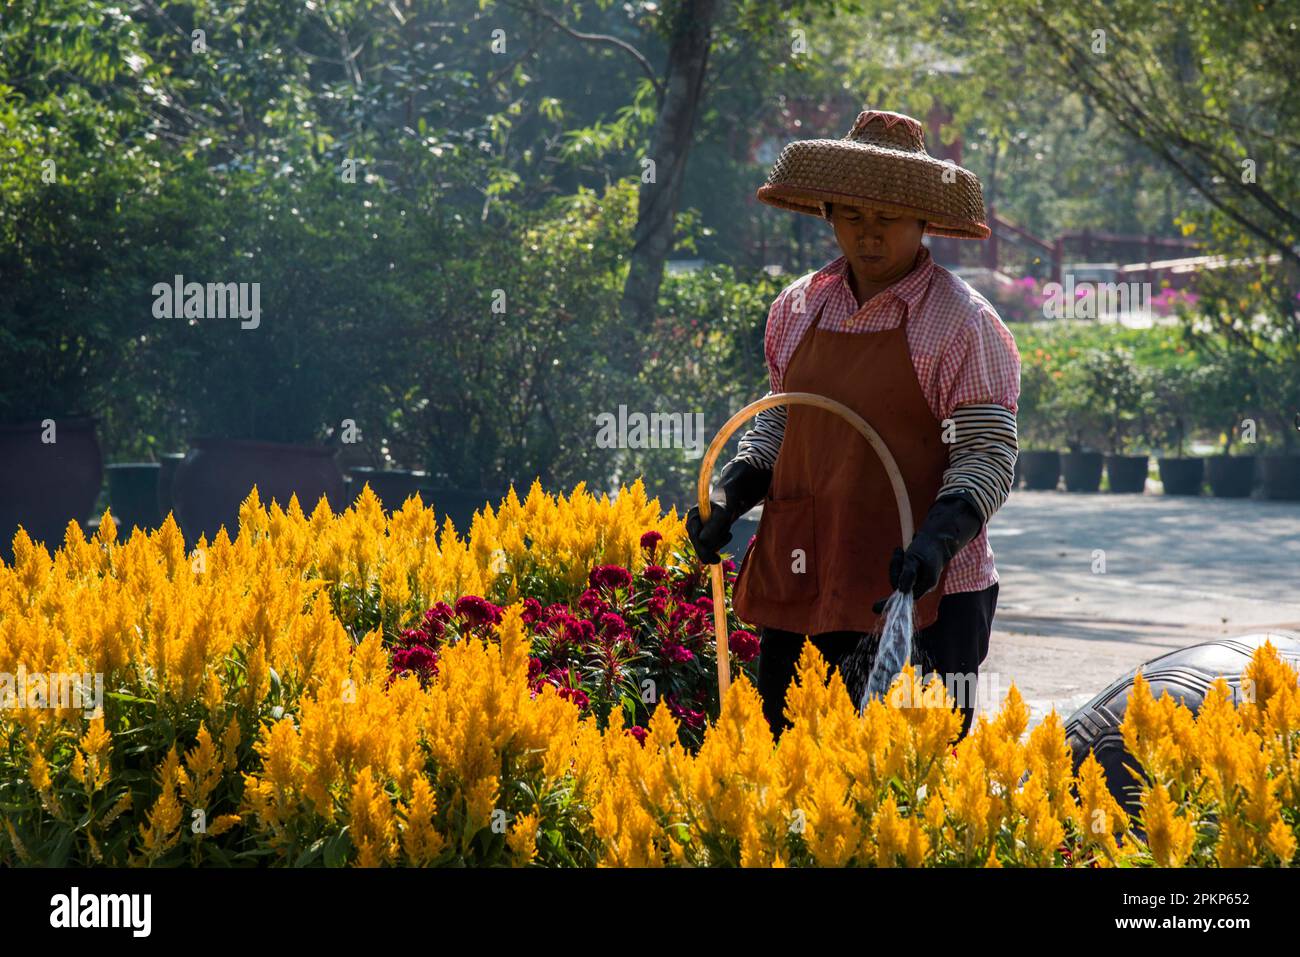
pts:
[761, 444]
[982, 456]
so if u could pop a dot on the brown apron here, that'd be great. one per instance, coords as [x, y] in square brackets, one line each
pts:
[830, 520]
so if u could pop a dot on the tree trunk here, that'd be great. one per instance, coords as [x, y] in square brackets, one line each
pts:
[669, 148]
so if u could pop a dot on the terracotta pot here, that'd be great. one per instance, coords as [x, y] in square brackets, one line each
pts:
[1182, 476]
[46, 485]
[392, 486]
[1127, 473]
[1230, 476]
[1281, 476]
[218, 474]
[1041, 470]
[133, 496]
[1082, 470]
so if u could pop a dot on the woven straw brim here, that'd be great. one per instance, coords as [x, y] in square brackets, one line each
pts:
[811, 172]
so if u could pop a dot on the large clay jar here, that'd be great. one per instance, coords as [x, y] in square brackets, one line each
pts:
[218, 474]
[1186, 674]
[46, 485]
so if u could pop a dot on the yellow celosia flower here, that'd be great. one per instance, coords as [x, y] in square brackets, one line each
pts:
[1169, 835]
[163, 830]
[372, 824]
[422, 843]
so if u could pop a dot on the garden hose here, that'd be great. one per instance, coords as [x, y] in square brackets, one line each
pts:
[706, 472]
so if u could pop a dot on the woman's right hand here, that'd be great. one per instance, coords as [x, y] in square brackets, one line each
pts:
[708, 537]
[740, 487]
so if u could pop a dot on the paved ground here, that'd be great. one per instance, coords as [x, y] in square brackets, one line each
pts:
[1178, 571]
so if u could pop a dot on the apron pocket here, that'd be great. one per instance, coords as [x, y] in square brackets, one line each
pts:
[785, 567]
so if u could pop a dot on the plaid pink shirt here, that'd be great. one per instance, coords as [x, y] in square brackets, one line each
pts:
[962, 352]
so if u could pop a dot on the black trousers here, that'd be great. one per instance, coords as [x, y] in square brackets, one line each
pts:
[954, 646]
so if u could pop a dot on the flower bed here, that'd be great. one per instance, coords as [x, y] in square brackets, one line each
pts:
[356, 689]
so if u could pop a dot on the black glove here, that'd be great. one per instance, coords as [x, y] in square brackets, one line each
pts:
[952, 522]
[740, 487]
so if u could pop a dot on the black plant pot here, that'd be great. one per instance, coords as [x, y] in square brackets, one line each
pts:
[218, 474]
[1127, 473]
[1281, 476]
[460, 504]
[133, 495]
[46, 485]
[166, 476]
[1082, 470]
[1182, 476]
[1041, 470]
[1230, 476]
[392, 486]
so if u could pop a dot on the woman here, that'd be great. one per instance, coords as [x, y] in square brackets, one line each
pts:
[927, 362]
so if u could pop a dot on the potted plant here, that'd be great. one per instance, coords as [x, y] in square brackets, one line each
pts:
[1124, 395]
[1226, 399]
[1038, 424]
[1173, 389]
[1085, 421]
[1280, 470]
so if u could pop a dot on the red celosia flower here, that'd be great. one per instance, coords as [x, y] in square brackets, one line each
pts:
[440, 612]
[655, 573]
[577, 696]
[637, 732]
[650, 541]
[610, 576]
[612, 626]
[532, 611]
[676, 654]
[688, 716]
[423, 661]
[478, 611]
[415, 636]
[744, 644]
[590, 602]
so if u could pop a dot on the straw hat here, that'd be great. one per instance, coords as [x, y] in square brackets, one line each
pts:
[882, 163]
